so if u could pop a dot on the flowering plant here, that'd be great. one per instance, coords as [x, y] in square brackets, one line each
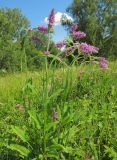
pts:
[85, 50]
[53, 132]
[70, 45]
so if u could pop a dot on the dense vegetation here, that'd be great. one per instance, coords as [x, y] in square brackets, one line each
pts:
[81, 121]
[66, 107]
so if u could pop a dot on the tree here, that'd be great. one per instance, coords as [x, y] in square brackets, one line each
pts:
[98, 19]
[20, 47]
[12, 23]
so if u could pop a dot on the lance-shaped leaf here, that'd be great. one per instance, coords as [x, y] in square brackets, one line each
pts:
[21, 149]
[34, 117]
[21, 133]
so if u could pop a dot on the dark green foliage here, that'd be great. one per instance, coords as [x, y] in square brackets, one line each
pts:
[98, 19]
[18, 52]
[12, 22]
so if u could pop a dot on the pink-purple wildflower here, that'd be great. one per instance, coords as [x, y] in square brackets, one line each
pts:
[43, 29]
[87, 48]
[54, 115]
[79, 34]
[76, 35]
[60, 44]
[51, 19]
[103, 63]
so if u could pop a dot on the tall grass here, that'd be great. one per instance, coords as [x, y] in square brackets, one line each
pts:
[69, 113]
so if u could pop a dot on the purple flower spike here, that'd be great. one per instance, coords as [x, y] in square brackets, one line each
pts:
[86, 48]
[60, 44]
[55, 114]
[79, 34]
[103, 63]
[43, 29]
[51, 19]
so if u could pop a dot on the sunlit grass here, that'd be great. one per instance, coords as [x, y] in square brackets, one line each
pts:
[84, 99]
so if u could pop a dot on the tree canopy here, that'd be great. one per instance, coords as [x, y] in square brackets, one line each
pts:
[98, 19]
[12, 22]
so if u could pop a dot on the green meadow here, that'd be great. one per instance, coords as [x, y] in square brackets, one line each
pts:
[84, 103]
[58, 80]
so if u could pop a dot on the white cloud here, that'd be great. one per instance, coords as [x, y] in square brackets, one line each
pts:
[58, 17]
[68, 17]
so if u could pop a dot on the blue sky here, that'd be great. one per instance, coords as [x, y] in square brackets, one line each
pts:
[37, 10]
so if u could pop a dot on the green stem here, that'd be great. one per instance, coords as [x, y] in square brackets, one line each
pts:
[48, 45]
[25, 58]
[45, 103]
[21, 64]
[46, 97]
[78, 51]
